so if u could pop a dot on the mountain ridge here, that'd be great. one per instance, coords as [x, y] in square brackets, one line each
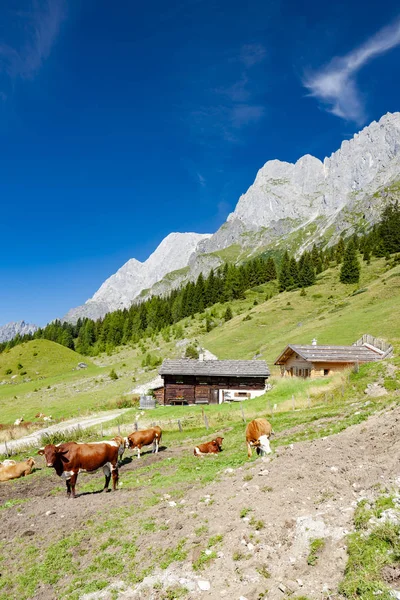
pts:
[288, 205]
[14, 328]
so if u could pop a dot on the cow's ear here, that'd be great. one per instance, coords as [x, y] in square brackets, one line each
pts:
[41, 451]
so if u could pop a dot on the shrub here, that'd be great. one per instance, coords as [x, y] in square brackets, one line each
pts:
[191, 352]
[228, 314]
[247, 318]
[19, 366]
[9, 371]
[113, 374]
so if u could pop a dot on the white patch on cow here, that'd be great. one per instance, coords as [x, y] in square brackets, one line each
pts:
[67, 474]
[197, 451]
[264, 446]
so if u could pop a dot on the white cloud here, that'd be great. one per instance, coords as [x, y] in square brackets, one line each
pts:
[335, 85]
[40, 28]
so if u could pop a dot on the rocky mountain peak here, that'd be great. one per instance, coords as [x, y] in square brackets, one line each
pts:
[10, 330]
[121, 289]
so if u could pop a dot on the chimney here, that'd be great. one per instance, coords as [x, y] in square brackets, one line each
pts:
[314, 342]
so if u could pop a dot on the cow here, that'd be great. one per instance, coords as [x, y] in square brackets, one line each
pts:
[39, 415]
[137, 439]
[212, 447]
[8, 462]
[18, 422]
[11, 470]
[258, 433]
[70, 458]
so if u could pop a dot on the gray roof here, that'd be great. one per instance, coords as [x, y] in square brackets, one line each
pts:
[340, 354]
[230, 368]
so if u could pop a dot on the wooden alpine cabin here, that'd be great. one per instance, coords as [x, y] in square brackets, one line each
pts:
[321, 361]
[189, 381]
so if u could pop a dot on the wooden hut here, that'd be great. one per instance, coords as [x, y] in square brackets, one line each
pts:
[320, 361]
[188, 381]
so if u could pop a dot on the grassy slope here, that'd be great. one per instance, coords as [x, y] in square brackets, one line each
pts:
[328, 312]
[39, 358]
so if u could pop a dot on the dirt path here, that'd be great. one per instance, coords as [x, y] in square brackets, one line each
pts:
[34, 438]
[303, 492]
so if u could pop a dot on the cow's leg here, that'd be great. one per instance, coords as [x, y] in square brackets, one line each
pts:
[115, 476]
[156, 443]
[249, 451]
[68, 484]
[72, 482]
[107, 473]
[138, 451]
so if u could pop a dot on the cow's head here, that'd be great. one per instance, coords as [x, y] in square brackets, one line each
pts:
[219, 441]
[129, 442]
[30, 461]
[51, 453]
[262, 445]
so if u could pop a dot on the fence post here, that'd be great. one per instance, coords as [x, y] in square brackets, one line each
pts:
[119, 430]
[136, 426]
[293, 402]
[5, 444]
[242, 411]
[102, 434]
[179, 425]
[206, 421]
[309, 401]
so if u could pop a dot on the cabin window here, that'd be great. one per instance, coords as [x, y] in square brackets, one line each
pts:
[326, 372]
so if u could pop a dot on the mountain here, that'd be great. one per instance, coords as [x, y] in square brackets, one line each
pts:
[10, 330]
[289, 206]
[119, 290]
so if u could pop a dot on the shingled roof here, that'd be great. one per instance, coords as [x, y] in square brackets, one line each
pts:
[229, 368]
[338, 354]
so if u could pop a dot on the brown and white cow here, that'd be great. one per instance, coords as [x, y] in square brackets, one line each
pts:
[212, 447]
[137, 439]
[70, 458]
[10, 469]
[258, 433]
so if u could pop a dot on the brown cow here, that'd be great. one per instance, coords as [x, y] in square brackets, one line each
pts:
[12, 470]
[137, 439]
[258, 433]
[212, 447]
[71, 458]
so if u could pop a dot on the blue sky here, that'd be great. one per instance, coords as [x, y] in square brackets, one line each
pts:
[122, 122]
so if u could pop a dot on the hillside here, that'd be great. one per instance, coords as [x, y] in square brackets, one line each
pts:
[38, 359]
[329, 312]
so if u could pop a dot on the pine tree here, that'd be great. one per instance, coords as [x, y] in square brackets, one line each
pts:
[294, 272]
[307, 273]
[285, 280]
[389, 229]
[270, 270]
[228, 314]
[340, 248]
[350, 271]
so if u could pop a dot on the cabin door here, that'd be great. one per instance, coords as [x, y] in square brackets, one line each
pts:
[214, 397]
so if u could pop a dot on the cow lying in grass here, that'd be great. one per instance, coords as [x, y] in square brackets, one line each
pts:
[137, 439]
[258, 433]
[212, 447]
[71, 458]
[10, 469]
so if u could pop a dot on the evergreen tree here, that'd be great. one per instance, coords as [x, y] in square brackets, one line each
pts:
[307, 272]
[389, 229]
[270, 270]
[228, 314]
[294, 272]
[350, 271]
[340, 248]
[285, 280]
